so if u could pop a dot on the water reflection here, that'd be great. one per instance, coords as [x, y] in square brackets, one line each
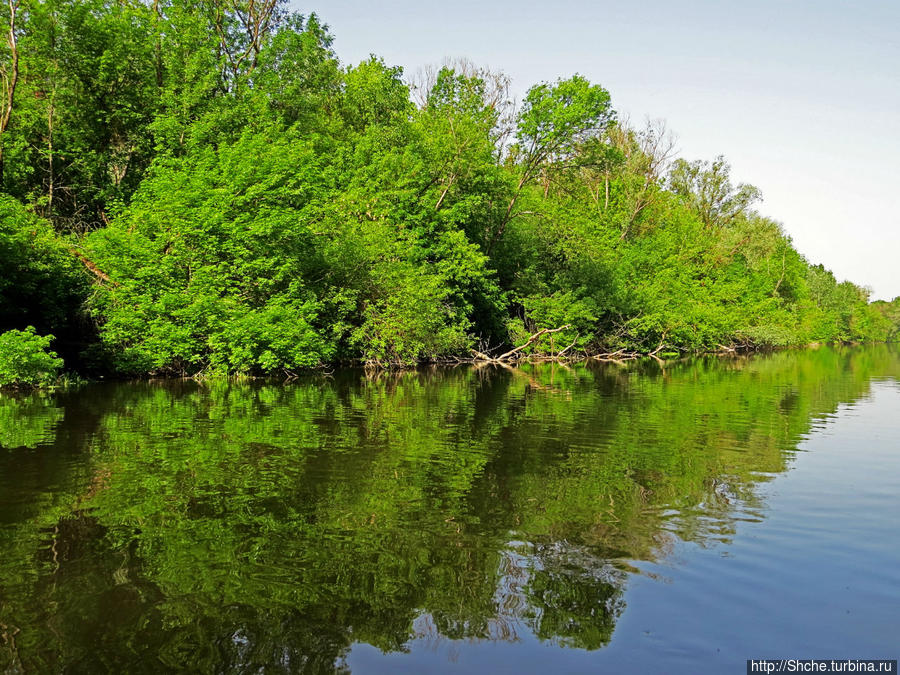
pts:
[238, 527]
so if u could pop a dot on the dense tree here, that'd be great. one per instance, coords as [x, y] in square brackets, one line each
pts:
[223, 195]
[707, 189]
[43, 283]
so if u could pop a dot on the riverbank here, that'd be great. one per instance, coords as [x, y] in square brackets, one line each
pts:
[510, 359]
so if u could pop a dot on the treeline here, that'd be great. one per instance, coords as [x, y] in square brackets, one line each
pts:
[197, 187]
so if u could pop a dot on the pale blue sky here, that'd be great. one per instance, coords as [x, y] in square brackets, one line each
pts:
[803, 98]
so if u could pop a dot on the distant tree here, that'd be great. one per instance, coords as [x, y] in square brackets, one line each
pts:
[706, 187]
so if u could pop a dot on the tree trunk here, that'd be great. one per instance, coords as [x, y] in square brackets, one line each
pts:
[9, 80]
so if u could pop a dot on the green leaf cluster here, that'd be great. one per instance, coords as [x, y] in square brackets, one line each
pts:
[26, 359]
[195, 188]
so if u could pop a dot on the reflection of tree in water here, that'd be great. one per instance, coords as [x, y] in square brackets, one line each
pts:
[575, 596]
[27, 419]
[558, 592]
[246, 527]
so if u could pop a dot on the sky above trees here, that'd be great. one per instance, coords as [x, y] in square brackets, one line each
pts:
[802, 97]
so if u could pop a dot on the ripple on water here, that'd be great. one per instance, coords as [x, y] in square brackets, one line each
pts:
[686, 515]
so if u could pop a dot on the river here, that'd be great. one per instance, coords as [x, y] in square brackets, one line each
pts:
[593, 517]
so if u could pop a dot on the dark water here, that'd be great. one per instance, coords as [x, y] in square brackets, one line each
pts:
[593, 518]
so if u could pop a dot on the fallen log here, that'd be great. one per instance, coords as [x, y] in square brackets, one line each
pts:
[534, 338]
[508, 356]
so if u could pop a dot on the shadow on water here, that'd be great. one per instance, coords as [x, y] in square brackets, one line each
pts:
[237, 527]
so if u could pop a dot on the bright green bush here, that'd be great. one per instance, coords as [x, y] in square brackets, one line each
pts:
[42, 283]
[26, 359]
[282, 212]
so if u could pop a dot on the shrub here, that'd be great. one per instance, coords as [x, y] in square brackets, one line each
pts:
[26, 360]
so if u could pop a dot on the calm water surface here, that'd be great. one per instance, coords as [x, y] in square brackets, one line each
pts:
[592, 518]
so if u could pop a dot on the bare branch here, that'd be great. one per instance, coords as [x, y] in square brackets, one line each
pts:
[534, 338]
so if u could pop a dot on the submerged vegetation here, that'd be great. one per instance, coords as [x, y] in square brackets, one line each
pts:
[204, 188]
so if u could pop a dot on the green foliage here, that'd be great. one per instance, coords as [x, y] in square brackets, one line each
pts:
[26, 359]
[246, 204]
[706, 187]
[556, 118]
[374, 94]
[890, 311]
[78, 137]
[210, 263]
[412, 319]
[43, 284]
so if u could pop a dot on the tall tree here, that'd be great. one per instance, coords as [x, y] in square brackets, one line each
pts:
[706, 187]
[9, 71]
[555, 119]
